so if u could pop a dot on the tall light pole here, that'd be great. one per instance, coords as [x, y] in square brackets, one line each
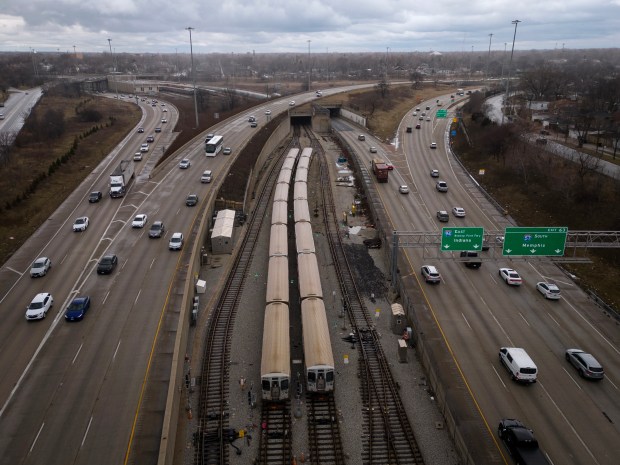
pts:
[309, 66]
[516, 23]
[191, 52]
[489, 56]
[113, 69]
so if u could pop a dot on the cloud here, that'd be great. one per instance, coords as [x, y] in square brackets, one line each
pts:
[279, 26]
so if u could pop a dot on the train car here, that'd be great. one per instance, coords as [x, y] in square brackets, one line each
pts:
[318, 355]
[304, 238]
[301, 212]
[306, 153]
[303, 163]
[284, 177]
[275, 366]
[289, 163]
[292, 153]
[309, 276]
[301, 174]
[300, 191]
[279, 213]
[277, 280]
[281, 193]
[278, 241]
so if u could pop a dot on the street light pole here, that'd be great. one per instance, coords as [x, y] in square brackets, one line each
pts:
[516, 23]
[309, 65]
[191, 51]
[489, 56]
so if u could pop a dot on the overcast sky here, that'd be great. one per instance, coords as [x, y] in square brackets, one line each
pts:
[276, 26]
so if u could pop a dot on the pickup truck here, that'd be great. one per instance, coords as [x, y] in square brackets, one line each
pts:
[520, 442]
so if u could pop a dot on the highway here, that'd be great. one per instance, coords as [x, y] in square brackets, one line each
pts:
[71, 392]
[575, 420]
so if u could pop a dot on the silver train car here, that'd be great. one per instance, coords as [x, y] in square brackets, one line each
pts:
[275, 366]
[276, 353]
[277, 280]
[318, 355]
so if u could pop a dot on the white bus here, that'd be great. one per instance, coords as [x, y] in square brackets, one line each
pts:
[214, 145]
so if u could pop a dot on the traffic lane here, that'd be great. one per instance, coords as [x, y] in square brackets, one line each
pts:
[113, 332]
[74, 256]
[518, 326]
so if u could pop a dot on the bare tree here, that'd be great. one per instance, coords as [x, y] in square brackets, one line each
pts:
[6, 144]
[383, 87]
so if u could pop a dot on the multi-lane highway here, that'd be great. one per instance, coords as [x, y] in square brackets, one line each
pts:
[70, 391]
[575, 420]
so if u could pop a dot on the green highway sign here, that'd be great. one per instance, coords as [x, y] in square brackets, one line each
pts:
[536, 241]
[442, 113]
[457, 239]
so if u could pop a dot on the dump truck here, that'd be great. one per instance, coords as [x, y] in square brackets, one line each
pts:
[380, 169]
[121, 177]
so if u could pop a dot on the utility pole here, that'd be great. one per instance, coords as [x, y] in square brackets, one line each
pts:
[516, 23]
[191, 51]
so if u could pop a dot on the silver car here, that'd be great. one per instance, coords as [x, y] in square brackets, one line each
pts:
[587, 366]
[40, 267]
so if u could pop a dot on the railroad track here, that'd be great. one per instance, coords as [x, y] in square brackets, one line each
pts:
[389, 432]
[213, 438]
[324, 431]
[275, 439]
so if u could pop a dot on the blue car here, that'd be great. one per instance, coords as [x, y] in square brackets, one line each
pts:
[77, 309]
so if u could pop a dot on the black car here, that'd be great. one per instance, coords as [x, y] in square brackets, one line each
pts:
[374, 243]
[107, 264]
[471, 259]
[192, 200]
[157, 129]
[157, 229]
[95, 197]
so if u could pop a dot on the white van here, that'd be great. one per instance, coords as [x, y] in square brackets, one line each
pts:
[206, 176]
[521, 367]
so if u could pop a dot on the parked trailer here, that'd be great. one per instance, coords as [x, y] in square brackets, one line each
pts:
[275, 364]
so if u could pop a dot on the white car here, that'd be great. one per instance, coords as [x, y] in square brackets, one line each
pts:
[428, 118]
[373, 149]
[433, 145]
[165, 110]
[459, 212]
[403, 189]
[511, 277]
[291, 103]
[137, 156]
[39, 306]
[549, 290]
[176, 241]
[185, 163]
[227, 151]
[144, 147]
[139, 221]
[80, 224]
[434, 173]
[267, 112]
[40, 267]
[164, 120]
